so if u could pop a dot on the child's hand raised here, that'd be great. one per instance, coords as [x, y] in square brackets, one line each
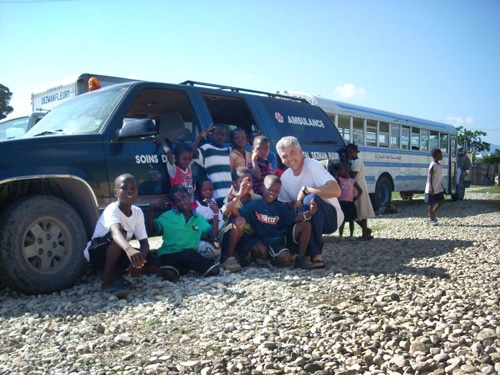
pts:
[245, 186]
[256, 154]
[207, 131]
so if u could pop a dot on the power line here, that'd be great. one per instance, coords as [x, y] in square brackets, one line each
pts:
[33, 1]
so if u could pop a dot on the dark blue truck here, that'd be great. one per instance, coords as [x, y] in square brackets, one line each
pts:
[55, 181]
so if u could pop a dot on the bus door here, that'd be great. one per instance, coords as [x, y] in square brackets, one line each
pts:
[452, 164]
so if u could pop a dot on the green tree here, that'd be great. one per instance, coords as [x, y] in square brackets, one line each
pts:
[5, 96]
[471, 140]
[493, 158]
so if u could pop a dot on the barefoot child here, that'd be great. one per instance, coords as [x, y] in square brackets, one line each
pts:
[110, 249]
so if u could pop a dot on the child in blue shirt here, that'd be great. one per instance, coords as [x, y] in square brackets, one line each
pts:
[278, 228]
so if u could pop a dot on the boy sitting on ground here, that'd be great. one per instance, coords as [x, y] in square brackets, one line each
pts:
[276, 227]
[110, 249]
[239, 195]
[182, 229]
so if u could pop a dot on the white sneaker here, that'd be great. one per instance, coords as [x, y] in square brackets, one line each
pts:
[434, 223]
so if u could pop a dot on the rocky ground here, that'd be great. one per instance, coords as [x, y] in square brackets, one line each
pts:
[415, 300]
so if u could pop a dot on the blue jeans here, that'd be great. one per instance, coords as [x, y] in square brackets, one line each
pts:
[324, 221]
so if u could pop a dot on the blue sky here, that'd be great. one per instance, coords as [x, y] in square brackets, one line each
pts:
[434, 59]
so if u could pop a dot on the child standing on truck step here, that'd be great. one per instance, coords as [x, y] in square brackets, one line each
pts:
[260, 166]
[110, 249]
[179, 168]
[213, 157]
[434, 191]
[239, 157]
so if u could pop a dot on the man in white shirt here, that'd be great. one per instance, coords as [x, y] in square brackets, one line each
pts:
[304, 180]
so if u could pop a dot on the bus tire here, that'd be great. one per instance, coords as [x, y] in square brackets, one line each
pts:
[459, 191]
[41, 245]
[382, 195]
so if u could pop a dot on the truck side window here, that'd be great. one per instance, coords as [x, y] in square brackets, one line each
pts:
[231, 111]
[170, 109]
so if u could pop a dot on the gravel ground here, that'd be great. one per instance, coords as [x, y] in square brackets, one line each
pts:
[415, 300]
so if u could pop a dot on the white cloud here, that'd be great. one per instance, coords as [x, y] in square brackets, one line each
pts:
[349, 90]
[460, 121]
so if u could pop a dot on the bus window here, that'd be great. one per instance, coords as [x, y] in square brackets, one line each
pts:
[433, 140]
[395, 135]
[383, 134]
[424, 140]
[405, 137]
[344, 125]
[358, 134]
[415, 138]
[371, 133]
[443, 143]
[453, 147]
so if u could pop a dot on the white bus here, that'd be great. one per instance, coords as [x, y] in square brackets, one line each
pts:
[395, 149]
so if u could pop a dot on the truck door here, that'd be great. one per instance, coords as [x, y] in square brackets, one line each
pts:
[172, 115]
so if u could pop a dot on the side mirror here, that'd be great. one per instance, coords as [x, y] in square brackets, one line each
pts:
[137, 127]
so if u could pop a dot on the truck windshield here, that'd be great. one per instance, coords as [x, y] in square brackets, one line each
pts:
[84, 114]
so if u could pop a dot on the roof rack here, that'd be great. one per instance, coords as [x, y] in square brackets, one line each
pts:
[241, 90]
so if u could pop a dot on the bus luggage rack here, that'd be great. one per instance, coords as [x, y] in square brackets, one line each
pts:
[241, 90]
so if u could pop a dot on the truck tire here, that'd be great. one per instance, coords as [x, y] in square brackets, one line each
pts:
[41, 245]
[382, 195]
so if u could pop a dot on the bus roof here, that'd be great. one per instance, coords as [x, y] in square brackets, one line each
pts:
[347, 109]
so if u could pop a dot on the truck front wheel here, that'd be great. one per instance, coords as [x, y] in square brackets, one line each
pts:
[41, 245]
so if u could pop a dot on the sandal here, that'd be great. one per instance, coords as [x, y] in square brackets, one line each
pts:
[304, 263]
[115, 292]
[318, 263]
[232, 265]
